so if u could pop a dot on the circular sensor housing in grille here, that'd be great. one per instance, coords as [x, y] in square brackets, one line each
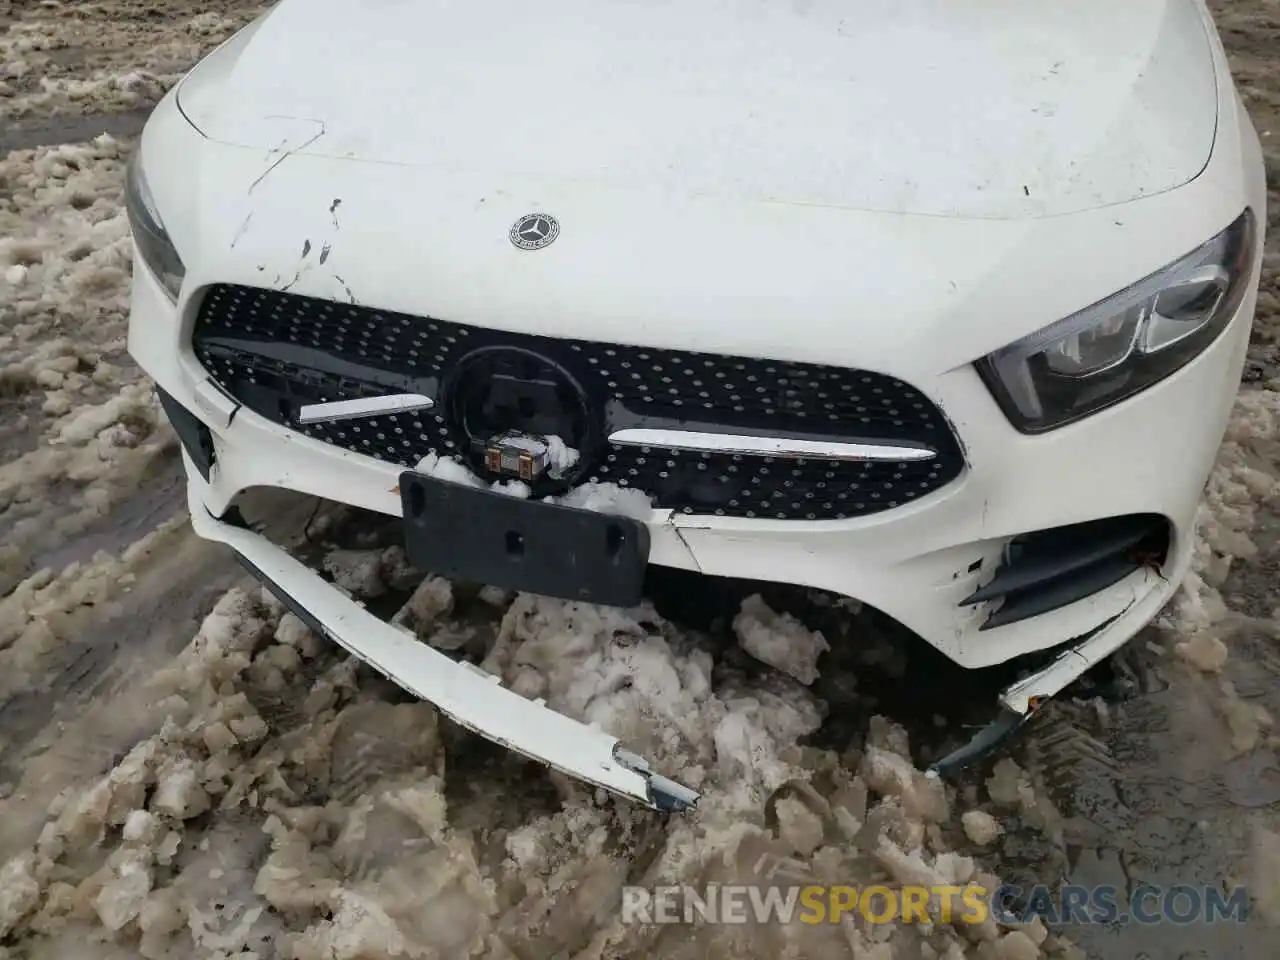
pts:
[503, 402]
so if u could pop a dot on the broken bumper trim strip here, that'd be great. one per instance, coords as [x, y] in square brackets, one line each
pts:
[473, 698]
[1067, 667]
[1020, 700]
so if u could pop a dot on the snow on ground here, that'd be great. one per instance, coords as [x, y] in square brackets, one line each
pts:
[1242, 480]
[80, 58]
[80, 425]
[331, 832]
[781, 641]
[268, 797]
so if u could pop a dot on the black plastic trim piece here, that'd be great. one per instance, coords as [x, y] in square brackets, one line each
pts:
[985, 742]
[1050, 564]
[194, 436]
[1052, 596]
[295, 607]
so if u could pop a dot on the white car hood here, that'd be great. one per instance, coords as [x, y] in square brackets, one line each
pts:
[979, 108]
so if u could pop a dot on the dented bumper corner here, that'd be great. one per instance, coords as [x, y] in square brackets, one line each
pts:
[1020, 700]
[470, 696]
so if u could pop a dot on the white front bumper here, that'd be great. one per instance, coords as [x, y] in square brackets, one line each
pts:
[915, 563]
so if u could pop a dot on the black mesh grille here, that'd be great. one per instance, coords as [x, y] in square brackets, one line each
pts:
[276, 351]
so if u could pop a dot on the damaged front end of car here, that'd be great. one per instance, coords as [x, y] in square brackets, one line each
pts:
[1022, 699]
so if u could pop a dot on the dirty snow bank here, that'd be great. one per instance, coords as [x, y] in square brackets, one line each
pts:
[282, 802]
[92, 58]
[779, 640]
[81, 425]
[46, 609]
[1245, 476]
[1201, 626]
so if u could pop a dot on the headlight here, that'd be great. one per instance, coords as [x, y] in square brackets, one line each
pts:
[1126, 343]
[153, 241]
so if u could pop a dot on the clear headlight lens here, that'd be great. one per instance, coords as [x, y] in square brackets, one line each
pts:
[158, 252]
[1126, 343]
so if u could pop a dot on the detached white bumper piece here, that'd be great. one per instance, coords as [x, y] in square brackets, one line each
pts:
[468, 695]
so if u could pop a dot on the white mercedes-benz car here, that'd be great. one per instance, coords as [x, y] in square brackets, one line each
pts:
[937, 306]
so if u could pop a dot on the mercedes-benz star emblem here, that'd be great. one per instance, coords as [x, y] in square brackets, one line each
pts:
[534, 231]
